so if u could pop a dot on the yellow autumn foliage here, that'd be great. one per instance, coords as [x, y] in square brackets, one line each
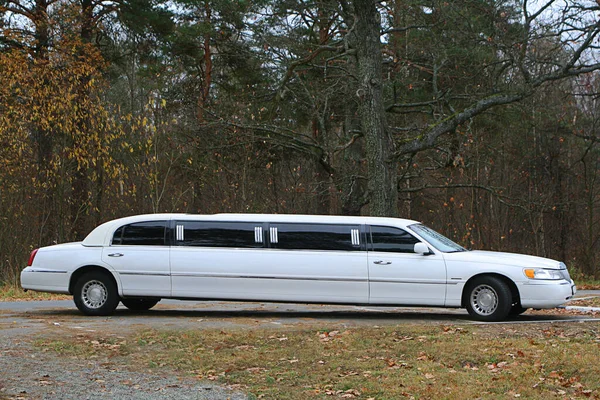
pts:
[58, 137]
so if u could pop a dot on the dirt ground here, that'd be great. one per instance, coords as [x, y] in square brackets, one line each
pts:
[29, 371]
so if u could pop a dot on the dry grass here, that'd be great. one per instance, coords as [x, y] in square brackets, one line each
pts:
[583, 281]
[408, 361]
[15, 293]
[588, 284]
[589, 302]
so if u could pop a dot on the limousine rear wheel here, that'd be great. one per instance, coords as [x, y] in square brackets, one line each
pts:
[488, 299]
[139, 304]
[95, 293]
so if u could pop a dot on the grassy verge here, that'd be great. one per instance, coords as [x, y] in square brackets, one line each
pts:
[587, 284]
[584, 281]
[15, 293]
[591, 302]
[489, 361]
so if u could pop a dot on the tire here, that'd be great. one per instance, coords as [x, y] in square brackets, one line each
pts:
[517, 310]
[488, 299]
[139, 304]
[95, 293]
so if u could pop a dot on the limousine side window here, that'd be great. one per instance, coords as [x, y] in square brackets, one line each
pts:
[393, 240]
[315, 237]
[219, 234]
[150, 233]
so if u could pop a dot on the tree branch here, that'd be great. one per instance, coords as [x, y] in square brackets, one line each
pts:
[404, 28]
[18, 9]
[352, 140]
[449, 124]
[308, 58]
[290, 140]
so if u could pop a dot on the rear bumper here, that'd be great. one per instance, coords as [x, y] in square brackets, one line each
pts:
[546, 294]
[45, 280]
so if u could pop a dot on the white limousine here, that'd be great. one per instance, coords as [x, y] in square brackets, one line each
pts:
[141, 259]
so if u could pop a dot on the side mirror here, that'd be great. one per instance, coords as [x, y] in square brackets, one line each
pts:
[421, 248]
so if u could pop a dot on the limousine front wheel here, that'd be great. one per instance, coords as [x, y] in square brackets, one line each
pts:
[95, 293]
[488, 299]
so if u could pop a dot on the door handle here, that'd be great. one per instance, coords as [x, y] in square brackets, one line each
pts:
[115, 255]
[380, 262]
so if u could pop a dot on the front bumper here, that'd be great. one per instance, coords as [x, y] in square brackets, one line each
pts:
[546, 294]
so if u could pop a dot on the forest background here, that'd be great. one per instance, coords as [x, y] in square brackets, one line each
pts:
[477, 117]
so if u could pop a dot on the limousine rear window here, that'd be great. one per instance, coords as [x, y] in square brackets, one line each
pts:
[315, 237]
[151, 233]
[219, 234]
[437, 240]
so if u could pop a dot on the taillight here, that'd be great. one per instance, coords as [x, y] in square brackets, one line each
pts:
[31, 257]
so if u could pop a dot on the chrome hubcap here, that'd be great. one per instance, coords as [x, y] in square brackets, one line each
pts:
[94, 294]
[484, 300]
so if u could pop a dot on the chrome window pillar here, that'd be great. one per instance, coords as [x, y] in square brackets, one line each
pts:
[273, 234]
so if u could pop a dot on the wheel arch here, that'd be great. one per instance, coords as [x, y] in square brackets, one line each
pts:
[516, 297]
[79, 272]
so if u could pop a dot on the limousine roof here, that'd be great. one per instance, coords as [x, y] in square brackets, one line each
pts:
[102, 234]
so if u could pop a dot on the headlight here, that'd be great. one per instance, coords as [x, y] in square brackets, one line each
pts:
[541, 273]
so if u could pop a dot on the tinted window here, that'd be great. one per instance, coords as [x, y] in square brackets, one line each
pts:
[394, 240]
[117, 236]
[316, 237]
[142, 233]
[220, 234]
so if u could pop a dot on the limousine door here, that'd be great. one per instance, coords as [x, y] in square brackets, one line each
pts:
[216, 260]
[138, 253]
[320, 262]
[397, 275]
[232, 260]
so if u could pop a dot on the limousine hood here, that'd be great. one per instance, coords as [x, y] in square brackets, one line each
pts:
[496, 257]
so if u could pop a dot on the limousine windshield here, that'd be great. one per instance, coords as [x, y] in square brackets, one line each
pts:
[437, 240]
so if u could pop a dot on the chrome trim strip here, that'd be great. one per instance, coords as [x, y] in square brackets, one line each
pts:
[291, 278]
[145, 273]
[298, 278]
[49, 271]
[391, 280]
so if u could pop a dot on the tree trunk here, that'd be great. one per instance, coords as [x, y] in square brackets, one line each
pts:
[208, 65]
[81, 201]
[43, 136]
[382, 167]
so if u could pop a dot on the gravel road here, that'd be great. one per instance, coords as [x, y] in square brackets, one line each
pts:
[29, 372]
